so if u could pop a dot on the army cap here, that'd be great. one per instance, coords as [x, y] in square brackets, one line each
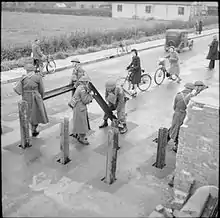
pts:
[199, 83]
[111, 83]
[84, 79]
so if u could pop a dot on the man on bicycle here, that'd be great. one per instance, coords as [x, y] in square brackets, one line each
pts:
[37, 55]
[78, 72]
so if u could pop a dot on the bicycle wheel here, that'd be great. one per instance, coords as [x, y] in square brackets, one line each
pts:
[145, 83]
[123, 82]
[119, 51]
[51, 67]
[128, 48]
[159, 76]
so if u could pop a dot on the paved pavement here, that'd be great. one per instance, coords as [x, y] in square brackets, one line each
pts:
[15, 74]
[34, 184]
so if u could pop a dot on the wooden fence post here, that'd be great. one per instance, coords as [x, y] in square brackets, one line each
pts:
[24, 124]
[161, 148]
[64, 141]
[111, 161]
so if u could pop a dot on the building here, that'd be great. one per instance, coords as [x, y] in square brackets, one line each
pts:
[158, 10]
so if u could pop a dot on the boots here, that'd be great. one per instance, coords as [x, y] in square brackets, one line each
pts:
[105, 124]
[82, 139]
[34, 130]
[123, 129]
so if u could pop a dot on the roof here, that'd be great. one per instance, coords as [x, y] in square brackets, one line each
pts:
[155, 2]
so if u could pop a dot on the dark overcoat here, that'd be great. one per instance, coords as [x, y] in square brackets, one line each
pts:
[135, 65]
[213, 51]
[80, 113]
[33, 92]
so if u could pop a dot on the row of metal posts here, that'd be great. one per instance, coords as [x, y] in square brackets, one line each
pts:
[113, 143]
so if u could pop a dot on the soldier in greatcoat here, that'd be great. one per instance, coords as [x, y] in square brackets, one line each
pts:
[82, 97]
[33, 93]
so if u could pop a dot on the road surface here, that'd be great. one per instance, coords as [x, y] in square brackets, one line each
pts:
[139, 187]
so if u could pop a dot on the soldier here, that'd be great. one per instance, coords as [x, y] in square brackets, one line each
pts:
[81, 98]
[116, 99]
[180, 105]
[32, 90]
[78, 72]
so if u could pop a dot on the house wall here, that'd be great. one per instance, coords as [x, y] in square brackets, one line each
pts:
[166, 12]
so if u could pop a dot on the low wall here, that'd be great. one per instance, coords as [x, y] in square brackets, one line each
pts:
[198, 151]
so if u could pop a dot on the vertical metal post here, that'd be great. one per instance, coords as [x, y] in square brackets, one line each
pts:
[161, 148]
[24, 124]
[111, 161]
[64, 141]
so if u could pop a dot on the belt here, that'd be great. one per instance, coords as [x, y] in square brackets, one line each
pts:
[30, 90]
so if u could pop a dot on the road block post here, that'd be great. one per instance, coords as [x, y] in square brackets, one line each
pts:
[111, 161]
[161, 148]
[24, 124]
[64, 141]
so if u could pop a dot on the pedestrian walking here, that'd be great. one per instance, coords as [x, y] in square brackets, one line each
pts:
[116, 99]
[81, 98]
[32, 90]
[174, 63]
[200, 26]
[38, 56]
[135, 68]
[197, 26]
[78, 72]
[213, 54]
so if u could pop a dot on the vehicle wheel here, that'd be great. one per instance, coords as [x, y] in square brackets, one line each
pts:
[159, 76]
[123, 82]
[145, 83]
[51, 67]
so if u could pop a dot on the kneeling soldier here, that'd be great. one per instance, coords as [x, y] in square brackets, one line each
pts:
[116, 99]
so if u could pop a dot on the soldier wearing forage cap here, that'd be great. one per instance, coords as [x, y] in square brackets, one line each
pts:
[77, 72]
[81, 97]
[116, 99]
[33, 92]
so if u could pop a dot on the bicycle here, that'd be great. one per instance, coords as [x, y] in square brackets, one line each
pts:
[162, 72]
[123, 48]
[143, 86]
[49, 65]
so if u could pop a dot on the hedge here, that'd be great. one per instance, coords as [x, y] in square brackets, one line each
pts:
[101, 12]
[85, 39]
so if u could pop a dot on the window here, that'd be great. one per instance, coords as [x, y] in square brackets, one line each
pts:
[180, 10]
[148, 9]
[81, 6]
[119, 8]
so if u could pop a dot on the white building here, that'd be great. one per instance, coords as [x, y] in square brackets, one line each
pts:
[158, 10]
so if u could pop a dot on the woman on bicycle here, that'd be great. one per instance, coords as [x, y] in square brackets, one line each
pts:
[174, 63]
[135, 68]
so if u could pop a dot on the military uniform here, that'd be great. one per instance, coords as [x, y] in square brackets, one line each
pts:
[115, 97]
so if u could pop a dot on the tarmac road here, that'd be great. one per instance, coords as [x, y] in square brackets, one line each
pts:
[31, 179]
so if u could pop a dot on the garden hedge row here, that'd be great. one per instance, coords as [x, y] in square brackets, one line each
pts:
[83, 39]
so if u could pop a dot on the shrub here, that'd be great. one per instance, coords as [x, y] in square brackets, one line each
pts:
[93, 39]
